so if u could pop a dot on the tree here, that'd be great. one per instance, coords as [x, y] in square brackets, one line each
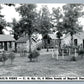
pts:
[11, 56]
[57, 18]
[70, 21]
[16, 30]
[15, 27]
[2, 22]
[10, 4]
[44, 22]
[28, 13]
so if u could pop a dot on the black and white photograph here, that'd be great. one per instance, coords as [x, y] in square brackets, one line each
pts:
[42, 40]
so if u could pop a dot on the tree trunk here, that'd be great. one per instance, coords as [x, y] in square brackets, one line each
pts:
[47, 46]
[71, 40]
[29, 44]
[30, 59]
[3, 63]
[71, 43]
[59, 47]
[15, 47]
[11, 61]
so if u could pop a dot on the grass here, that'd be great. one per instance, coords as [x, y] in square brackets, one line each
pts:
[46, 67]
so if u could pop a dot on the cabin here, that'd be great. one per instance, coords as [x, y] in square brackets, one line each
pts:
[7, 42]
[23, 44]
[50, 40]
[78, 39]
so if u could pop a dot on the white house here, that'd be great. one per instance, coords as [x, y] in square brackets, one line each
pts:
[78, 39]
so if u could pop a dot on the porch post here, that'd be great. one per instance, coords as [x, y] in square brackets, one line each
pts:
[7, 46]
[69, 51]
[3, 45]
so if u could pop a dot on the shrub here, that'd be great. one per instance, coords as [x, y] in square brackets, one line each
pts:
[38, 48]
[3, 58]
[12, 56]
[73, 58]
[81, 52]
[33, 55]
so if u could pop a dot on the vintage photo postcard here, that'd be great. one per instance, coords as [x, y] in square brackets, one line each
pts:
[41, 42]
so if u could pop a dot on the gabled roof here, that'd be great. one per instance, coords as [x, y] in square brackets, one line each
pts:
[22, 39]
[6, 38]
[54, 36]
[79, 35]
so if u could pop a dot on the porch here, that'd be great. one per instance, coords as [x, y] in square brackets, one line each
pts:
[6, 45]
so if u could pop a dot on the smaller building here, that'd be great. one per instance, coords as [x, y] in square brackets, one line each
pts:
[50, 40]
[7, 42]
[23, 44]
[78, 39]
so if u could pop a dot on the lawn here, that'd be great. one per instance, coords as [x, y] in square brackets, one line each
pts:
[45, 67]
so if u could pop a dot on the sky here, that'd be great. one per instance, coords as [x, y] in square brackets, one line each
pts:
[10, 13]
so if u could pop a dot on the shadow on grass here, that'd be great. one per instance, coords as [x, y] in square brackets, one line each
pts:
[7, 66]
[32, 61]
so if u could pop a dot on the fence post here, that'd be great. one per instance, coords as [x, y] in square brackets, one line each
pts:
[69, 51]
[52, 53]
[57, 53]
[75, 52]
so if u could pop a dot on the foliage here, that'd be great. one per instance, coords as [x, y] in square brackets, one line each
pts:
[66, 20]
[72, 13]
[33, 55]
[27, 22]
[73, 58]
[81, 53]
[16, 29]
[2, 21]
[59, 34]
[10, 4]
[70, 21]
[57, 20]
[38, 48]
[44, 21]
[3, 58]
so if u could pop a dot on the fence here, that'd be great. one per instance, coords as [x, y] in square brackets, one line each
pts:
[67, 51]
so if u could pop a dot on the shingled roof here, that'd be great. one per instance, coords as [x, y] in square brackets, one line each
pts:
[6, 38]
[22, 39]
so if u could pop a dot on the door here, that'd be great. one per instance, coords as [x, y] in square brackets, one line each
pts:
[75, 42]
